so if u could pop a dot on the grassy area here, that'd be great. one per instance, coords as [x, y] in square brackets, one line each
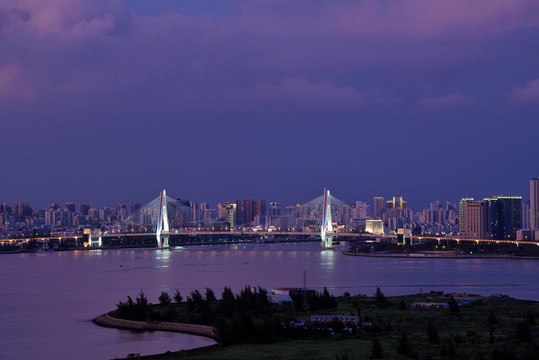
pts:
[464, 333]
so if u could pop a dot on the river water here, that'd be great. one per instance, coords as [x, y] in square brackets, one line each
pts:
[47, 300]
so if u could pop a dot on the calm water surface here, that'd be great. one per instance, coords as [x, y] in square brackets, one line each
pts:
[47, 300]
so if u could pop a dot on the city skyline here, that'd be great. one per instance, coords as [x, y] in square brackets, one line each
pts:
[106, 101]
[371, 200]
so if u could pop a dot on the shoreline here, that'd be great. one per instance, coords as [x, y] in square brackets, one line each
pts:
[427, 256]
[107, 320]
[171, 248]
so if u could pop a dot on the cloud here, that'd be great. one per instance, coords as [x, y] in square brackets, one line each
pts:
[447, 101]
[274, 48]
[59, 17]
[16, 83]
[526, 95]
[412, 18]
[303, 91]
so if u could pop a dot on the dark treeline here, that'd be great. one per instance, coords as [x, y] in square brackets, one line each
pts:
[447, 245]
[247, 317]
[499, 328]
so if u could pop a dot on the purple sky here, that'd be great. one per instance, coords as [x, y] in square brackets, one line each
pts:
[106, 100]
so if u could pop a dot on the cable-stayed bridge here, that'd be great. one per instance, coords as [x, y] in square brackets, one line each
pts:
[165, 216]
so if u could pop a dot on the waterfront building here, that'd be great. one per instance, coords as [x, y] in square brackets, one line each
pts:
[253, 208]
[374, 226]
[534, 203]
[228, 212]
[525, 219]
[378, 206]
[462, 212]
[476, 219]
[504, 215]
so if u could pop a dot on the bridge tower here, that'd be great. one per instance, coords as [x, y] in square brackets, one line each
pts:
[91, 241]
[326, 230]
[162, 222]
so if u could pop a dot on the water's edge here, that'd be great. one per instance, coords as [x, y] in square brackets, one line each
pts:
[110, 321]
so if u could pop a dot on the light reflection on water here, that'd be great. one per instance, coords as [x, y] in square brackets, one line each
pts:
[51, 297]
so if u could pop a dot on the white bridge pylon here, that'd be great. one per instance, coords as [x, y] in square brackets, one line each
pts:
[326, 230]
[162, 222]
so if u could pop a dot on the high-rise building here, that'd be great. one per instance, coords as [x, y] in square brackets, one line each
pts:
[427, 216]
[135, 207]
[274, 209]
[525, 222]
[476, 219]
[378, 206]
[227, 212]
[238, 216]
[199, 212]
[253, 208]
[396, 203]
[360, 210]
[22, 210]
[83, 209]
[120, 211]
[503, 216]
[534, 203]
[462, 212]
[70, 207]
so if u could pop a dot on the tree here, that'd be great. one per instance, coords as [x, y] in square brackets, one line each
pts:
[448, 349]
[523, 332]
[196, 297]
[228, 301]
[379, 295]
[454, 308]
[432, 333]
[402, 305]
[491, 322]
[492, 319]
[210, 295]
[343, 356]
[141, 307]
[170, 314]
[530, 318]
[164, 298]
[376, 349]
[355, 304]
[404, 347]
[178, 298]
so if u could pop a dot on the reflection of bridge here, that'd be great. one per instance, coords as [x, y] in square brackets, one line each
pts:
[261, 234]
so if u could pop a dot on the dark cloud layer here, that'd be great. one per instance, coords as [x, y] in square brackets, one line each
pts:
[106, 101]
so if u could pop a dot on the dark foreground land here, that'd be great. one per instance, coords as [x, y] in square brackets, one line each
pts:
[422, 326]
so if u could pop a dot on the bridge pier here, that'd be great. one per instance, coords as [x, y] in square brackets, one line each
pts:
[326, 230]
[91, 241]
[162, 222]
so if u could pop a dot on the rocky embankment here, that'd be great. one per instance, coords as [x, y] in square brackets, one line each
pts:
[110, 321]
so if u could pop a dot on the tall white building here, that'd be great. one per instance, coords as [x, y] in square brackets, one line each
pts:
[525, 221]
[534, 203]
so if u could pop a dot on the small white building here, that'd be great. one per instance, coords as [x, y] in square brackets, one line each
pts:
[280, 299]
